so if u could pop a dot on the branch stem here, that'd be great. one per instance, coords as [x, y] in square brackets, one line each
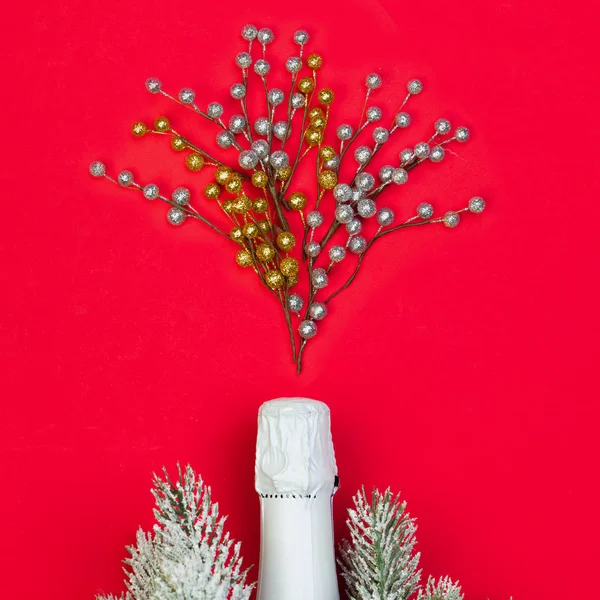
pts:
[362, 256]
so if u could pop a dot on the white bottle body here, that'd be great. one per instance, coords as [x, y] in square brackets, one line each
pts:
[296, 477]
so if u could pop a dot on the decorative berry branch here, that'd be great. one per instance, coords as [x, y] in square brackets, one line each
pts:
[259, 195]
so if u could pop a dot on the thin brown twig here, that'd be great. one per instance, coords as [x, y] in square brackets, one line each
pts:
[272, 188]
[244, 103]
[299, 359]
[297, 159]
[304, 116]
[318, 166]
[257, 267]
[288, 320]
[188, 210]
[289, 112]
[311, 298]
[377, 148]
[362, 256]
[350, 142]
[196, 215]
[202, 114]
[275, 195]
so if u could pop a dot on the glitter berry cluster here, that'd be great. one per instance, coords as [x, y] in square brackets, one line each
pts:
[260, 194]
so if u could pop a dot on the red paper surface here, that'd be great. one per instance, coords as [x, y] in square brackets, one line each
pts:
[458, 367]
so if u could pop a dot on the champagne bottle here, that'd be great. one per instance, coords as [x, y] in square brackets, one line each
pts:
[296, 477]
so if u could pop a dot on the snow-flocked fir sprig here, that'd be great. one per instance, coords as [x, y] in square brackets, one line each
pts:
[442, 589]
[188, 555]
[379, 562]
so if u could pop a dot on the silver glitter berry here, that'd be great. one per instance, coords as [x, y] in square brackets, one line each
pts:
[237, 123]
[385, 173]
[243, 60]
[462, 134]
[425, 210]
[175, 216]
[151, 191]
[224, 139]
[476, 204]
[373, 81]
[279, 159]
[181, 196]
[153, 85]
[281, 130]
[422, 150]
[344, 213]
[261, 147]
[333, 163]
[337, 253]
[262, 67]
[265, 36]
[275, 96]
[381, 135]
[342, 192]
[237, 91]
[319, 279]
[442, 126]
[357, 195]
[293, 64]
[298, 100]
[248, 159]
[437, 154]
[414, 87]
[97, 169]
[362, 154]
[406, 155]
[317, 311]
[365, 182]
[451, 219]
[307, 330]
[186, 96]
[357, 244]
[400, 176]
[295, 303]
[373, 114]
[249, 32]
[402, 120]
[366, 208]
[354, 226]
[215, 110]
[262, 126]
[344, 132]
[314, 219]
[301, 37]
[385, 217]
[313, 249]
[125, 178]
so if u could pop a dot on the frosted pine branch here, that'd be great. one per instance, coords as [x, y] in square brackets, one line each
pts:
[379, 562]
[188, 555]
[443, 589]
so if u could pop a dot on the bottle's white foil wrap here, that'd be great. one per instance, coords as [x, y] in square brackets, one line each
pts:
[295, 478]
[294, 449]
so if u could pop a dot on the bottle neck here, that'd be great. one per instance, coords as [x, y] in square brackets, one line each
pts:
[297, 554]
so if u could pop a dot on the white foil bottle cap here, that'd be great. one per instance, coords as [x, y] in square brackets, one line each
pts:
[294, 448]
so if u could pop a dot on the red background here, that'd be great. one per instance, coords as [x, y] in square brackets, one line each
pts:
[459, 367]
